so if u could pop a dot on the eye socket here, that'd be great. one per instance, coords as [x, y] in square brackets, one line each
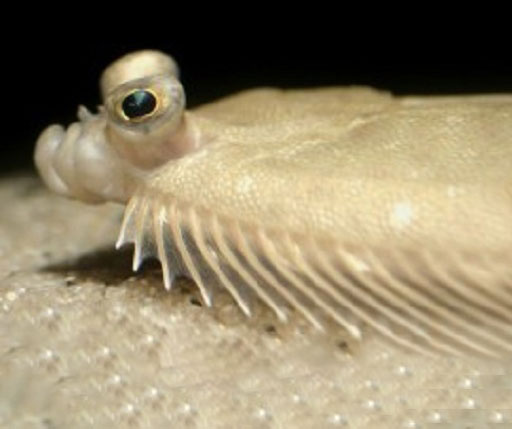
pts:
[138, 104]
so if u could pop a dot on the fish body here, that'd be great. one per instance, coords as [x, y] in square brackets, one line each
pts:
[380, 212]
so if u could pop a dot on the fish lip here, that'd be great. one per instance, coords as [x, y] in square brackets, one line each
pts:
[78, 162]
[46, 147]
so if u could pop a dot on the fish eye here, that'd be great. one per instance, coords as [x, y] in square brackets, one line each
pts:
[138, 105]
[146, 104]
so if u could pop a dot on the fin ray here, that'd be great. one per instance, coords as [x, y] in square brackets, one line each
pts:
[322, 278]
[176, 230]
[244, 274]
[198, 238]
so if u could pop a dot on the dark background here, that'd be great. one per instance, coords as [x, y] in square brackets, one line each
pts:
[47, 75]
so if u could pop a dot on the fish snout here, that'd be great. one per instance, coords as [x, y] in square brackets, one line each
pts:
[47, 147]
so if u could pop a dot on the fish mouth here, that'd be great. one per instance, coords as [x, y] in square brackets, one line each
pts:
[66, 157]
[78, 161]
[47, 146]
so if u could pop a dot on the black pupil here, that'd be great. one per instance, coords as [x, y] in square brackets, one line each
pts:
[139, 103]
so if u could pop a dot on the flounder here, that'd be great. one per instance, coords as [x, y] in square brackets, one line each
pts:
[379, 212]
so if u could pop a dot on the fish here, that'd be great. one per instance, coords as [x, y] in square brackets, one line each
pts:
[350, 204]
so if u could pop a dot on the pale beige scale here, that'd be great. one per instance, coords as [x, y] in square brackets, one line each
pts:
[379, 212]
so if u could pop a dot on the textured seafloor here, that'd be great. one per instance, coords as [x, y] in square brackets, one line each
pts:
[86, 343]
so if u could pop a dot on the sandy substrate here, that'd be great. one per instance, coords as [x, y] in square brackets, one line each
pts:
[84, 342]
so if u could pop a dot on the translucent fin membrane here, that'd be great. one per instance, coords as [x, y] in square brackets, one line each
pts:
[429, 302]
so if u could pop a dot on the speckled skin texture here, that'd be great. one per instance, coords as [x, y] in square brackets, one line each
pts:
[356, 165]
[85, 343]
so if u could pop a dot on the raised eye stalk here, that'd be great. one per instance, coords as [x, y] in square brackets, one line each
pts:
[143, 125]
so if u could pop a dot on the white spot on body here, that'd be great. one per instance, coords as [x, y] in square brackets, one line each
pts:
[401, 215]
[245, 184]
